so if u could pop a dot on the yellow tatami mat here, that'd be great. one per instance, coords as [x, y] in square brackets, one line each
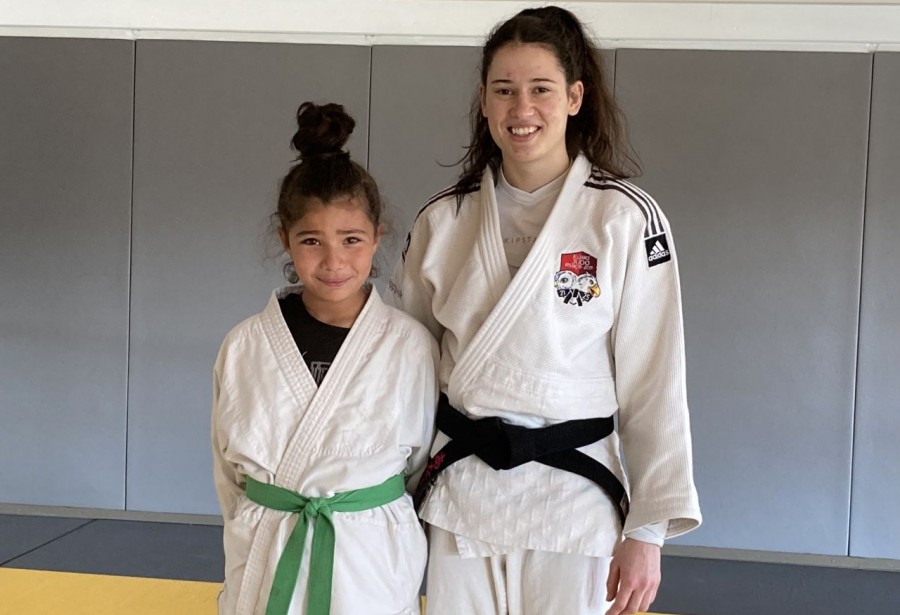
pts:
[37, 592]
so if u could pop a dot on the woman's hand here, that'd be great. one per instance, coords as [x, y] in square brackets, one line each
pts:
[634, 575]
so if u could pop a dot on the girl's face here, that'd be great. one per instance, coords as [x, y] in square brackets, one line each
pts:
[527, 104]
[332, 247]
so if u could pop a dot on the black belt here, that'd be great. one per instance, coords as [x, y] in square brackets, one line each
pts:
[503, 446]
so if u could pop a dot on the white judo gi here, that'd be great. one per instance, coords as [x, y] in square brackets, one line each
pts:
[590, 324]
[371, 418]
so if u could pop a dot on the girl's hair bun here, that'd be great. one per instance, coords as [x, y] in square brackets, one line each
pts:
[322, 130]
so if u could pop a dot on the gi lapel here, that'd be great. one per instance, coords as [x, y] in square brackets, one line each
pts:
[511, 298]
[317, 405]
[290, 362]
[489, 243]
[353, 353]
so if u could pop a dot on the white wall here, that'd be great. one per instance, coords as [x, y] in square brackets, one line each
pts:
[823, 25]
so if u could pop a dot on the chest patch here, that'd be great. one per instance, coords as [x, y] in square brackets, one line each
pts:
[576, 280]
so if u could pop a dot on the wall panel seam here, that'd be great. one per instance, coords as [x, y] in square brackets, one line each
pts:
[369, 113]
[859, 310]
[130, 265]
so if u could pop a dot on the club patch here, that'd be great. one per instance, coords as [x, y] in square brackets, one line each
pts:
[576, 280]
[657, 250]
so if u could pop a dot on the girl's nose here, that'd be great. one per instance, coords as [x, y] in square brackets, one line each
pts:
[332, 258]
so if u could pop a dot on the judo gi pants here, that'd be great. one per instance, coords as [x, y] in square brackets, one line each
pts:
[523, 582]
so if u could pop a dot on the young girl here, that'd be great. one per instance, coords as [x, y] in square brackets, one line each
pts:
[323, 404]
[553, 287]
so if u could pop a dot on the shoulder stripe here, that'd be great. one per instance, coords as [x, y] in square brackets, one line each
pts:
[591, 184]
[648, 202]
[451, 191]
[640, 198]
[434, 198]
[437, 196]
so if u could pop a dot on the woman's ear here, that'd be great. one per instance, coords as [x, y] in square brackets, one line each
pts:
[576, 96]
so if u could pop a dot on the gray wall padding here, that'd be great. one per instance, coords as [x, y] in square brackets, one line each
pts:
[875, 518]
[420, 101]
[65, 201]
[758, 159]
[214, 124]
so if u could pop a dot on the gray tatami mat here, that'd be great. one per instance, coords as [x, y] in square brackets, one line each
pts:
[714, 587]
[20, 534]
[137, 549]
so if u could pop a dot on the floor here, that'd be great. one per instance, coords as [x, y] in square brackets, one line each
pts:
[30, 592]
[99, 567]
[60, 566]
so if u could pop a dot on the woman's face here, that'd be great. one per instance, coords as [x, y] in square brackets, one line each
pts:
[527, 104]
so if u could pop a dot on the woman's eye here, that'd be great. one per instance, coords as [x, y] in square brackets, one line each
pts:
[504, 92]
[542, 90]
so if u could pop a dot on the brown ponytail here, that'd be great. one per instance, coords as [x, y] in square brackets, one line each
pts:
[597, 131]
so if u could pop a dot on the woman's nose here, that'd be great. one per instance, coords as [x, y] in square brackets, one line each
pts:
[522, 106]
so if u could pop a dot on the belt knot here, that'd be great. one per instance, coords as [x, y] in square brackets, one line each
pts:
[321, 560]
[316, 506]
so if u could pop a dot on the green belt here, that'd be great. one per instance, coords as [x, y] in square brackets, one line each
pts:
[321, 559]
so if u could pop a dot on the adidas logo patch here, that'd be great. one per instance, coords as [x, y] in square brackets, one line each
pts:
[657, 250]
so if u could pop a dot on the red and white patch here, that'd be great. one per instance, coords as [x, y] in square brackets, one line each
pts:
[576, 280]
[578, 263]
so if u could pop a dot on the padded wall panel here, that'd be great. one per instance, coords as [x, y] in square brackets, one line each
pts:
[213, 127]
[420, 102]
[875, 523]
[65, 203]
[758, 159]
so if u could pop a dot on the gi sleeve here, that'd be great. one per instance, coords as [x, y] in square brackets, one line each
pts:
[648, 347]
[408, 290]
[424, 404]
[228, 481]
[654, 533]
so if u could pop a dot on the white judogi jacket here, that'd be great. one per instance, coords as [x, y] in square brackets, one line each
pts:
[372, 418]
[590, 324]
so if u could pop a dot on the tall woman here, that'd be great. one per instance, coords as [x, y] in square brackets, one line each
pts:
[323, 408]
[552, 284]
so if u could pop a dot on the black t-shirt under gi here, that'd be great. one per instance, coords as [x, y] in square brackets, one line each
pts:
[317, 341]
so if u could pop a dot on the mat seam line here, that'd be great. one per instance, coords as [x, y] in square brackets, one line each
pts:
[52, 540]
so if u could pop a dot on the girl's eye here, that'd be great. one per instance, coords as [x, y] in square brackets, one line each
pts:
[352, 240]
[542, 90]
[310, 241]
